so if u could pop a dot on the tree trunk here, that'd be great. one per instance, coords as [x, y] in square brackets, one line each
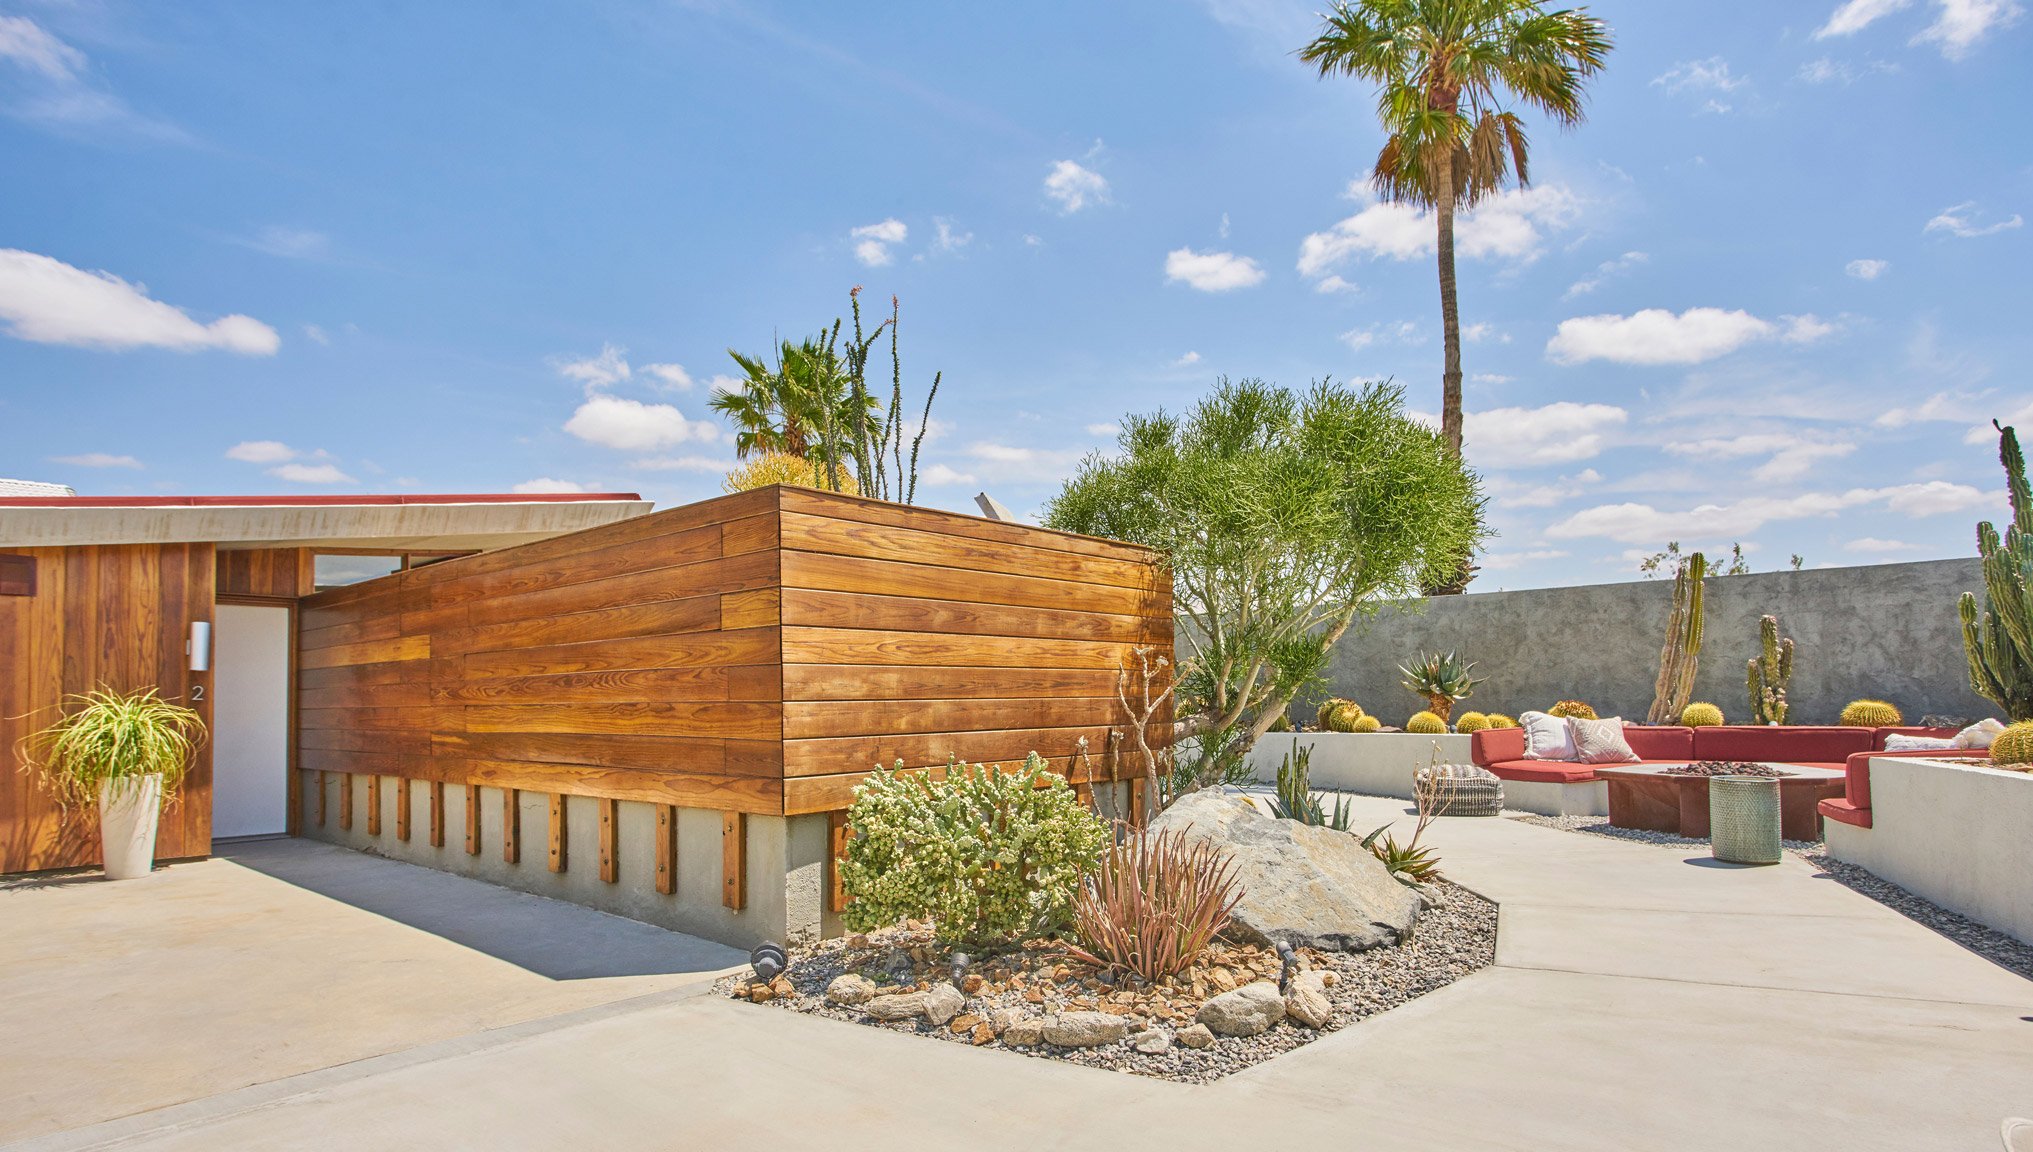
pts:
[1450, 317]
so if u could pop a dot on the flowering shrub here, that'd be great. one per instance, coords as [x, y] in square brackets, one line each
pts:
[989, 857]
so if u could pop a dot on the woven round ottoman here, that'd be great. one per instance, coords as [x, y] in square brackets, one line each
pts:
[1743, 819]
[1463, 790]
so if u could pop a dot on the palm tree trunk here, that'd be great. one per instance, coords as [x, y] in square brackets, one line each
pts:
[1450, 317]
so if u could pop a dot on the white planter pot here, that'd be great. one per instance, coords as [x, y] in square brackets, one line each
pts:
[129, 810]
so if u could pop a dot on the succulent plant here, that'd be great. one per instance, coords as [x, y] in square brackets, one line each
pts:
[1425, 722]
[1342, 717]
[1869, 714]
[1701, 715]
[1367, 724]
[1498, 720]
[2014, 747]
[1681, 655]
[1282, 724]
[1441, 679]
[1572, 710]
[1471, 722]
[1999, 639]
[1768, 673]
[1328, 706]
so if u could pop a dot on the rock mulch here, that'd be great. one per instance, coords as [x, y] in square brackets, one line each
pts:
[1040, 1002]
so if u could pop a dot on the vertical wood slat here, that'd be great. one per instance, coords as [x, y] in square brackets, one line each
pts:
[734, 860]
[667, 849]
[321, 799]
[837, 835]
[346, 801]
[1136, 802]
[402, 808]
[437, 813]
[559, 832]
[374, 805]
[610, 843]
[472, 819]
[511, 826]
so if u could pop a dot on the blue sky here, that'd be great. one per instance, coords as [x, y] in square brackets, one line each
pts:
[1765, 294]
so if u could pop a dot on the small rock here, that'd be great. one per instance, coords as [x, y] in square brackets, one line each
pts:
[1085, 1029]
[982, 1034]
[943, 1002]
[972, 984]
[850, 989]
[896, 1006]
[1152, 1041]
[1222, 979]
[783, 988]
[963, 1023]
[1307, 1002]
[1195, 1036]
[1248, 1011]
[1024, 1033]
[760, 993]
[1330, 978]
[857, 941]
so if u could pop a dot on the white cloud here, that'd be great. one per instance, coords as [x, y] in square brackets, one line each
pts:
[1962, 23]
[1949, 406]
[1961, 220]
[633, 426]
[941, 475]
[949, 238]
[261, 452]
[1874, 545]
[1499, 561]
[1015, 464]
[1867, 269]
[1510, 226]
[291, 243]
[681, 464]
[47, 301]
[1491, 378]
[608, 367]
[317, 335]
[1402, 332]
[1823, 70]
[52, 83]
[1033, 240]
[875, 240]
[1789, 456]
[1555, 433]
[1334, 284]
[1508, 493]
[1707, 80]
[1212, 271]
[27, 45]
[97, 459]
[544, 484]
[1605, 271]
[1481, 331]
[1104, 429]
[669, 375]
[721, 384]
[1634, 523]
[310, 474]
[1856, 15]
[1224, 225]
[1189, 358]
[1657, 336]
[1075, 187]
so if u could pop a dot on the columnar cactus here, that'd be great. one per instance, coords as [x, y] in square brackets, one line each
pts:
[1769, 673]
[1682, 652]
[2014, 747]
[1999, 641]
[1870, 714]
[1701, 715]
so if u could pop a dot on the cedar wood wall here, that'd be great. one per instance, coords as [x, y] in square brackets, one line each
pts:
[754, 653]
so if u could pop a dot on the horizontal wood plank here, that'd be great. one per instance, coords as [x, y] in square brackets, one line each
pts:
[891, 578]
[805, 645]
[810, 607]
[805, 532]
[866, 682]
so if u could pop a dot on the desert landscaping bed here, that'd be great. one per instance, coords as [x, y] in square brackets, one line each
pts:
[1022, 1000]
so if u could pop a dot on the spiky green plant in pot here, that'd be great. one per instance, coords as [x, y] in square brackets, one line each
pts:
[1701, 715]
[2014, 747]
[1869, 714]
[124, 753]
[1440, 678]
[1999, 640]
[1426, 723]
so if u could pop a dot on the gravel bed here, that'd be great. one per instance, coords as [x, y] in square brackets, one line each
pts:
[1452, 940]
[2004, 951]
[1600, 826]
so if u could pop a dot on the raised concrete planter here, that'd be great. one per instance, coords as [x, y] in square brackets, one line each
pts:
[1953, 832]
[1372, 763]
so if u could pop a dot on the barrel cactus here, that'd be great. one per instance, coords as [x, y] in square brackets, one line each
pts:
[1425, 723]
[1367, 724]
[1471, 722]
[2014, 747]
[1498, 720]
[1869, 714]
[1572, 710]
[1341, 717]
[1701, 715]
[1328, 706]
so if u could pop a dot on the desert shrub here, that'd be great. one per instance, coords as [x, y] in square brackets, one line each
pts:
[1153, 904]
[1869, 714]
[989, 857]
[1572, 710]
[786, 468]
[2014, 747]
[1471, 722]
[1366, 724]
[1425, 722]
[1701, 715]
[1499, 720]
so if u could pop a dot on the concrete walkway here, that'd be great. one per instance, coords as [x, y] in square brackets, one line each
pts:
[1644, 999]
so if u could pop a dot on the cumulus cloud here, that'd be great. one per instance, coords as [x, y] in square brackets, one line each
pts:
[1212, 271]
[633, 426]
[1962, 24]
[949, 237]
[946, 476]
[606, 368]
[1333, 284]
[1015, 464]
[546, 484]
[310, 474]
[1657, 336]
[1511, 226]
[1789, 457]
[1706, 80]
[97, 460]
[669, 375]
[1876, 546]
[1634, 523]
[1109, 428]
[1867, 269]
[46, 301]
[1962, 220]
[873, 241]
[1556, 433]
[1509, 493]
[1188, 359]
[261, 452]
[1854, 16]
[1074, 187]
[681, 464]
[1604, 271]
[1402, 332]
[1499, 561]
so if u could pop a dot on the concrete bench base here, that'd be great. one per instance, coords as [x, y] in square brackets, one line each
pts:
[1585, 798]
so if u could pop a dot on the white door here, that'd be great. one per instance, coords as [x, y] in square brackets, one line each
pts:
[250, 720]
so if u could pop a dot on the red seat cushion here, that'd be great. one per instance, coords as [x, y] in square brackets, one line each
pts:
[1845, 812]
[1781, 745]
[1542, 771]
[1857, 771]
[1492, 745]
[1668, 742]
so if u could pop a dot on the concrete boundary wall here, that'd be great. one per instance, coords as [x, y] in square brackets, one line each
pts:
[1882, 630]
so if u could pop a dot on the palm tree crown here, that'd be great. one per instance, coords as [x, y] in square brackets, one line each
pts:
[787, 407]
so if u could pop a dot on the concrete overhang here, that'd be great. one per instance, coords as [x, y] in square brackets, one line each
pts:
[437, 523]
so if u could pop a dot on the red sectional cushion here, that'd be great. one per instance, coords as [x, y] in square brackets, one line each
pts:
[1844, 812]
[1492, 745]
[1878, 734]
[1541, 771]
[1857, 770]
[1668, 742]
[1780, 745]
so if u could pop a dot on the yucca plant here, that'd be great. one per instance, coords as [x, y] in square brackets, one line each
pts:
[111, 738]
[1295, 800]
[1440, 679]
[1153, 904]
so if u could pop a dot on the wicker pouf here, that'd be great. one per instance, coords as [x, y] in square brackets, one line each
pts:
[1464, 790]
[1743, 819]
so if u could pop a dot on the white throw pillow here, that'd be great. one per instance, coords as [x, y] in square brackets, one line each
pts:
[1601, 741]
[1546, 737]
[1977, 735]
[1901, 742]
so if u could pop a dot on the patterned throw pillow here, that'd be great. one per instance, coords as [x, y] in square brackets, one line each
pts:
[1601, 741]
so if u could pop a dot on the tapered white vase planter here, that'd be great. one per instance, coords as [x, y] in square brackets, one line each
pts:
[129, 809]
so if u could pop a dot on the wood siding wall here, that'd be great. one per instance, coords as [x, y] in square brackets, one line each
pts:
[265, 573]
[754, 653]
[113, 616]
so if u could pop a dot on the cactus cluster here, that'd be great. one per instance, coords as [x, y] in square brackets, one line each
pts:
[1339, 715]
[1572, 710]
[1681, 654]
[1701, 715]
[2014, 747]
[1471, 722]
[1869, 714]
[1999, 640]
[1426, 723]
[1768, 673]
[1367, 724]
[1498, 720]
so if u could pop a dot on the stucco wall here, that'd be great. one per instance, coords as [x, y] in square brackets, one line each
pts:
[1881, 630]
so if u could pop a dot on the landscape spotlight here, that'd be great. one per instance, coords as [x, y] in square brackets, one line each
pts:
[768, 960]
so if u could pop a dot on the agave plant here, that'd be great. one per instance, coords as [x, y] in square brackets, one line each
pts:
[1295, 800]
[1153, 904]
[1441, 679]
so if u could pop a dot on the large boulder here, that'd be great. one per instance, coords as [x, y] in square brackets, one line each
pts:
[1301, 883]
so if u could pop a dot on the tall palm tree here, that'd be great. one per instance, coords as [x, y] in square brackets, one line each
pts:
[1444, 70]
[786, 407]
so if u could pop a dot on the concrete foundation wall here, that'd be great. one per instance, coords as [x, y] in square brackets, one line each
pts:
[1888, 631]
[1951, 832]
[1372, 763]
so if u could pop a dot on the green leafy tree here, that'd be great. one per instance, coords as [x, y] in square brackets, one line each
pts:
[1284, 517]
[1445, 71]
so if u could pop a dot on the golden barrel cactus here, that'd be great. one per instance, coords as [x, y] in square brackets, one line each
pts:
[1870, 714]
[1701, 715]
[1341, 717]
[1425, 723]
[1367, 724]
[1572, 710]
[1471, 722]
[1498, 720]
[2014, 747]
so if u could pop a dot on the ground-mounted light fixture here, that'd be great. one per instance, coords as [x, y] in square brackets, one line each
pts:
[1290, 956]
[960, 962]
[768, 961]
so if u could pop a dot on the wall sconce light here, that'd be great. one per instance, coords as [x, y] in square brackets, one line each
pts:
[199, 646]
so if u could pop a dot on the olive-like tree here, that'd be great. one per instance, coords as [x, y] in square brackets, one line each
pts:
[1444, 70]
[1284, 517]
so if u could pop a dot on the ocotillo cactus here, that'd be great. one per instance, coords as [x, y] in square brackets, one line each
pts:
[1682, 652]
[1769, 673]
[1999, 642]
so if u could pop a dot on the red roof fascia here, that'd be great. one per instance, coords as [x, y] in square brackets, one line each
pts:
[311, 501]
